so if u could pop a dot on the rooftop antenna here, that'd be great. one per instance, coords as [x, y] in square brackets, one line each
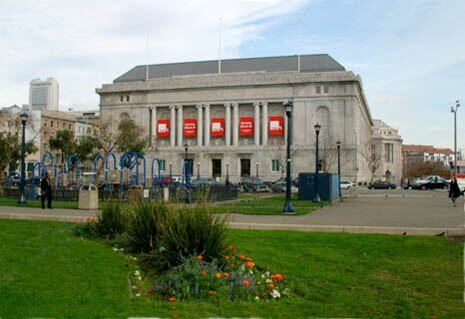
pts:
[148, 58]
[219, 47]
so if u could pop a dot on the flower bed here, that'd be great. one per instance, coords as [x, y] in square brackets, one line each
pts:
[235, 278]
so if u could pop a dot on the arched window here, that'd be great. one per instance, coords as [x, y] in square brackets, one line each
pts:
[124, 116]
[322, 118]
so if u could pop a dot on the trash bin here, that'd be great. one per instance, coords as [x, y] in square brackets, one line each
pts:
[135, 194]
[354, 192]
[88, 197]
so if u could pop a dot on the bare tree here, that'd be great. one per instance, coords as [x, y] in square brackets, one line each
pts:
[327, 155]
[279, 153]
[372, 154]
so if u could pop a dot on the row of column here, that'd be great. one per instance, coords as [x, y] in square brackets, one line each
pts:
[176, 123]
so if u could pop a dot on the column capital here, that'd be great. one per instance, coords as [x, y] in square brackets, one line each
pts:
[172, 107]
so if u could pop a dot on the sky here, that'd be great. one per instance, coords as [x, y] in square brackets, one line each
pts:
[409, 53]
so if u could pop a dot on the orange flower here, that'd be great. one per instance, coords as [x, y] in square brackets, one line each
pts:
[232, 248]
[226, 257]
[272, 276]
[245, 283]
[203, 273]
[271, 286]
[88, 219]
[241, 257]
[79, 222]
[211, 292]
[248, 259]
[279, 277]
[200, 257]
[218, 275]
[171, 299]
[226, 274]
[148, 293]
[250, 264]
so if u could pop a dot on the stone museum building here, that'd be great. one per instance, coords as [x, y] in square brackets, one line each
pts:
[231, 116]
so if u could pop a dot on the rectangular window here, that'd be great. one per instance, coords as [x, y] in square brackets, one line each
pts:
[121, 98]
[389, 152]
[127, 98]
[51, 123]
[162, 165]
[275, 165]
[318, 89]
[326, 89]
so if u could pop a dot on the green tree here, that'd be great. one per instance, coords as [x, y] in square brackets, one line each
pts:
[64, 143]
[87, 148]
[130, 137]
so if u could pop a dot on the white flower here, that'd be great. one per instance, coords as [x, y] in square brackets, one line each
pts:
[257, 297]
[115, 249]
[137, 295]
[267, 273]
[251, 272]
[121, 249]
[268, 281]
[137, 273]
[275, 294]
[263, 276]
[140, 278]
[134, 287]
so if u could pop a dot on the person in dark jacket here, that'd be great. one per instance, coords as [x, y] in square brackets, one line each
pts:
[46, 189]
[454, 190]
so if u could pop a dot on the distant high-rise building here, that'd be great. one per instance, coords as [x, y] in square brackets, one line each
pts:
[43, 95]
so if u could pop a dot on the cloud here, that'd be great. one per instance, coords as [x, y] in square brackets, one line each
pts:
[88, 43]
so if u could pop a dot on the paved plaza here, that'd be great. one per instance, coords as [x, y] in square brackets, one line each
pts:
[374, 211]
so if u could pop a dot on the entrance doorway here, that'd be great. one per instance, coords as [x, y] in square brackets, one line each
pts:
[245, 167]
[216, 168]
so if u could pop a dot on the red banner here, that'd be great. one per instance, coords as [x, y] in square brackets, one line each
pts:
[190, 127]
[163, 128]
[276, 125]
[217, 127]
[246, 126]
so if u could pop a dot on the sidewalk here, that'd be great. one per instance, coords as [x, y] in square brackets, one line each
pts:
[386, 215]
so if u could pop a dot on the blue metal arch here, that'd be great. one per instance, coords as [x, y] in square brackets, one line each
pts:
[158, 167]
[41, 167]
[94, 165]
[129, 155]
[138, 155]
[107, 158]
[50, 156]
[68, 165]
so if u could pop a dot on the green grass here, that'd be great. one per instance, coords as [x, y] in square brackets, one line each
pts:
[36, 203]
[265, 204]
[47, 272]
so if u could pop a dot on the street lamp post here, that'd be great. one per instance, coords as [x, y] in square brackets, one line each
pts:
[22, 197]
[171, 170]
[198, 170]
[316, 198]
[288, 209]
[454, 111]
[227, 173]
[338, 144]
[257, 165]
[186, 173]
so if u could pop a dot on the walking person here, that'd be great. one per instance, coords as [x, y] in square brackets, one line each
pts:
[454, 190]
[46, 189]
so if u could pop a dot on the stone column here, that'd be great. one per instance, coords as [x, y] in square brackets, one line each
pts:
[227, 125]
[172, 125]
[180, 125]
[153, 122]
[235, 124]
[207, 125]
[256, 125]
[199, 124]
[264, 123]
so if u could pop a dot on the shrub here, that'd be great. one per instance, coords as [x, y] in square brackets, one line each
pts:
[86, 228]
[194, 231]
[147, 225]
[112, 220]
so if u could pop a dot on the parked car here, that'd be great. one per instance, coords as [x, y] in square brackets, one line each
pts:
[254, 185]
[347, 185]
[382, 185]
[433, 182]
[279, 186]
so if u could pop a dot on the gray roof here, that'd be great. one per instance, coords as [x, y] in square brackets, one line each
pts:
[308, 63]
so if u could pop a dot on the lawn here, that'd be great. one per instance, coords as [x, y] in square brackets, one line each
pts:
[36, 203]
[47, 272]
[265, 204]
